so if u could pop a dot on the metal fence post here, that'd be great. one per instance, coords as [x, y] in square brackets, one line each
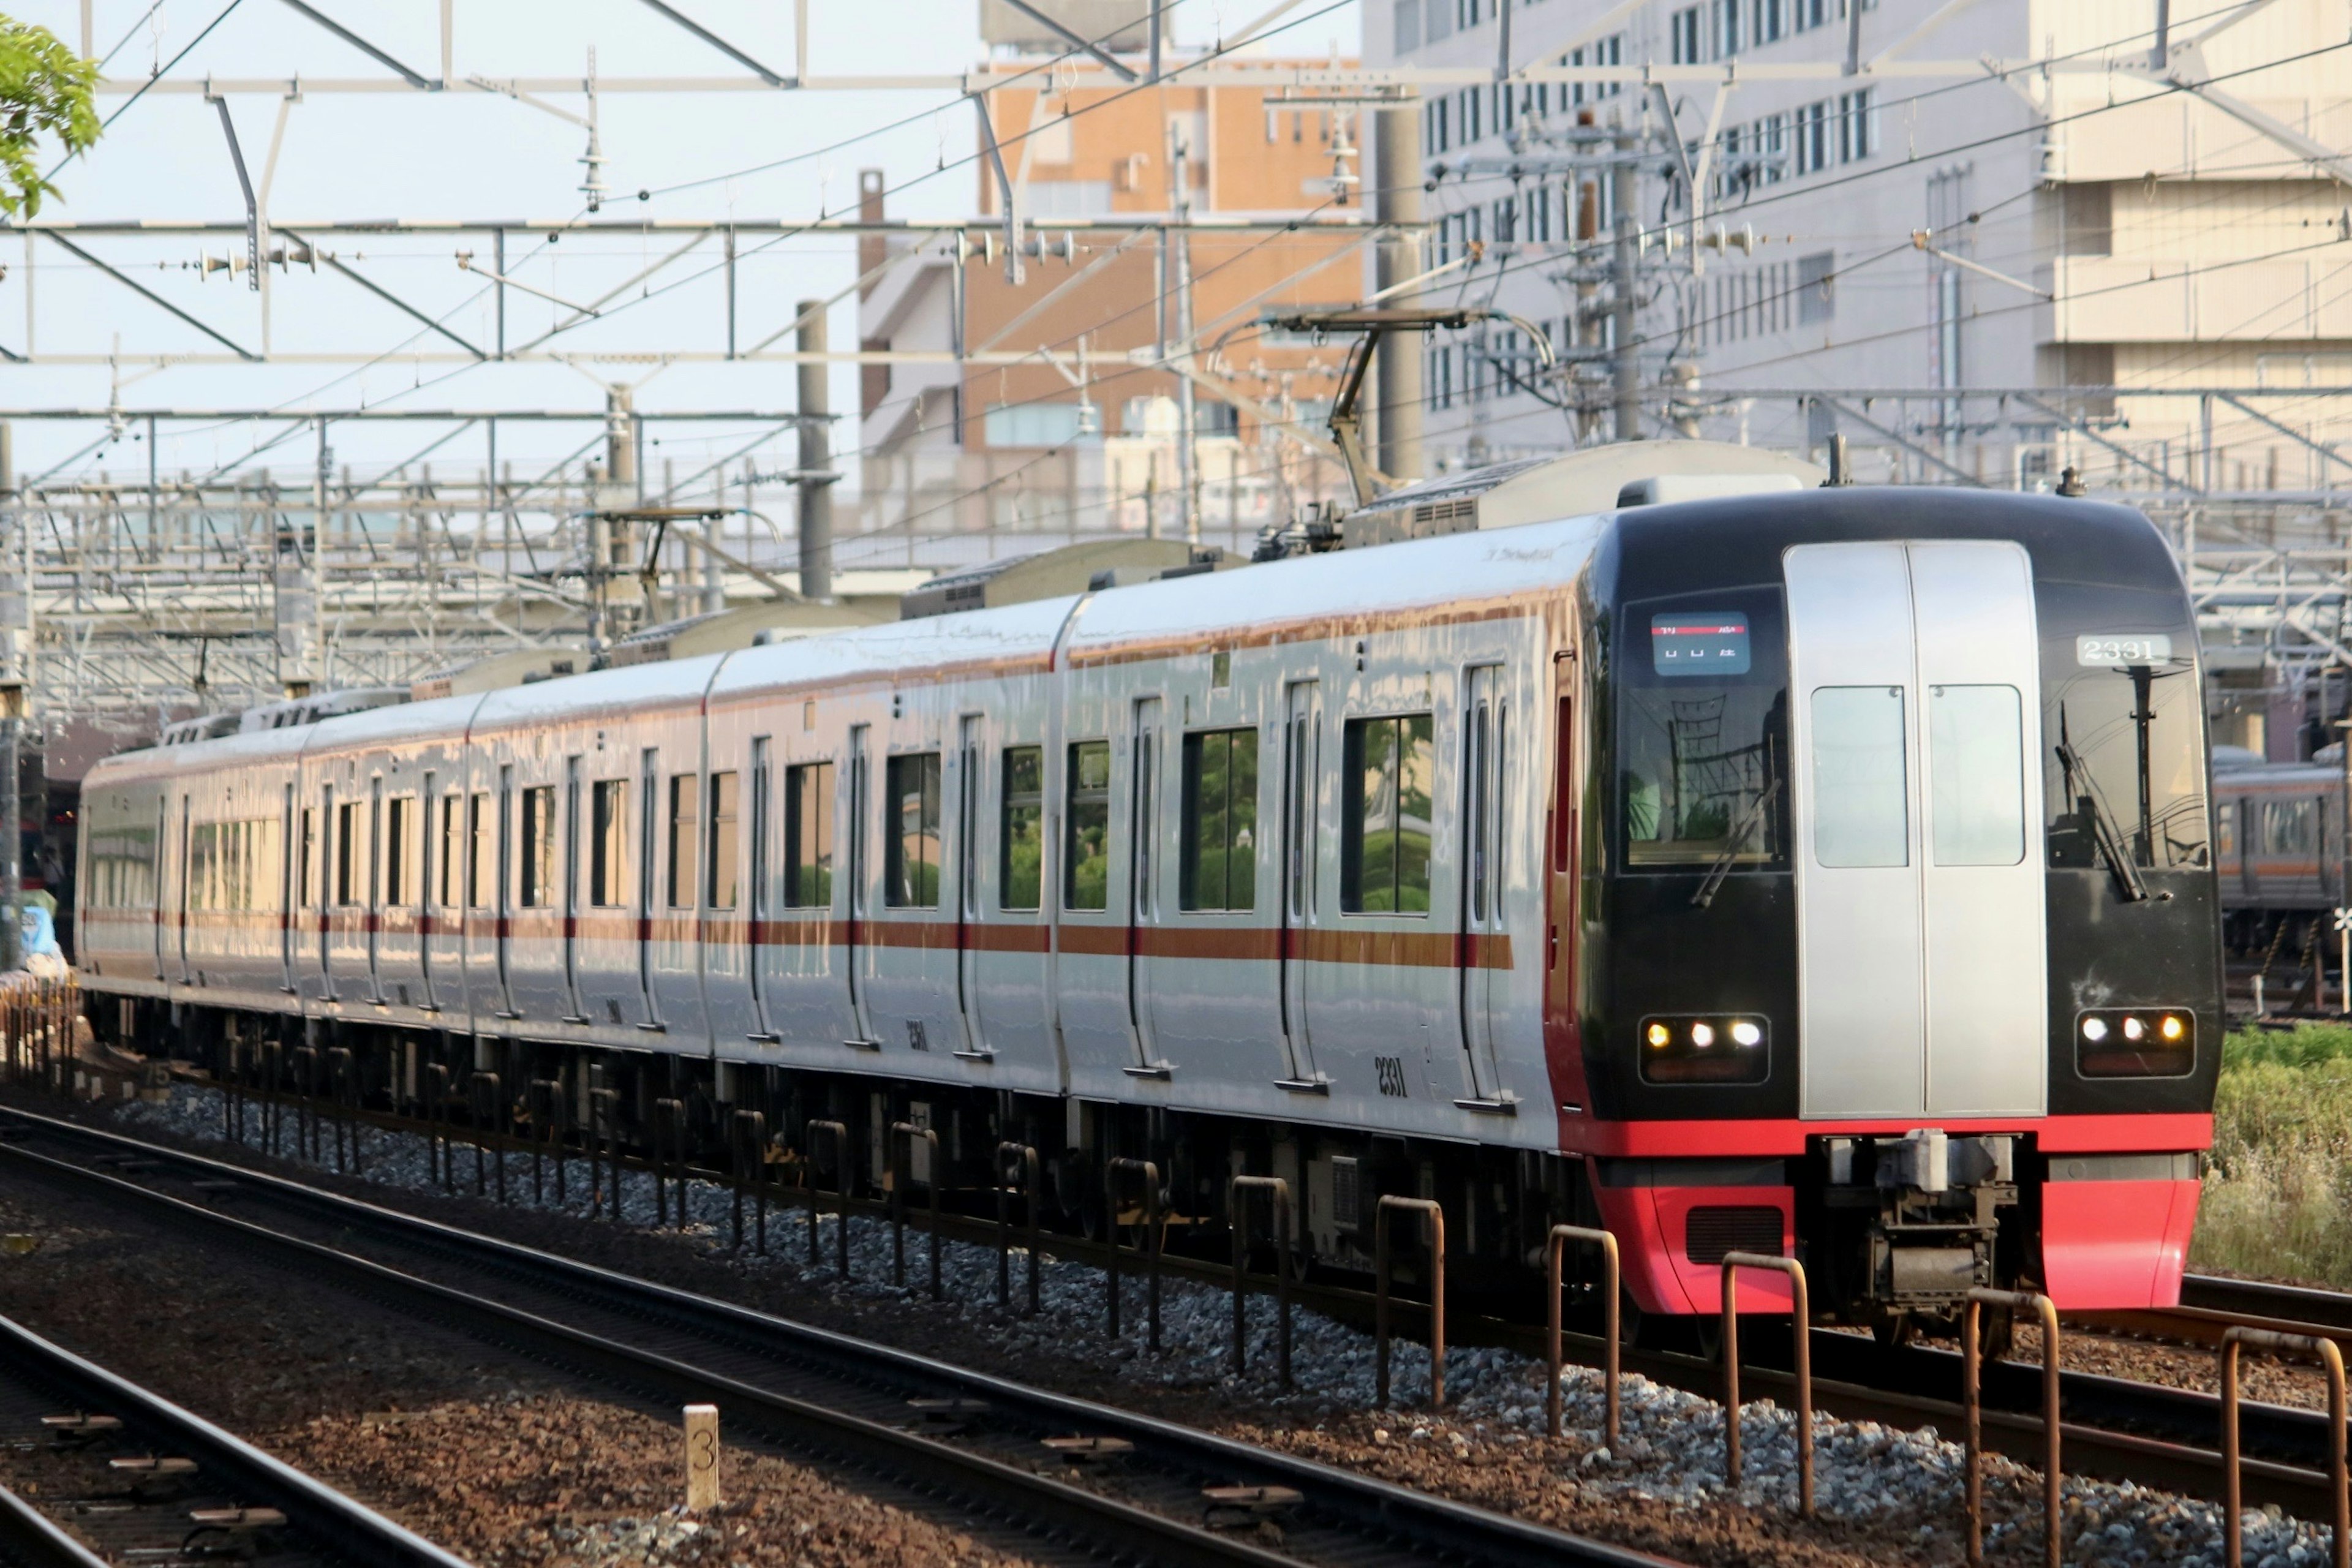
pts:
[604, 1120]
[1028, 1158]
[339, 1076]
[1561, 1235]
[1429, 1206]
[1973, 1401]
[2233, 1545]
[903, 1135]
[1151, 1173]
[670, 1113]
[750, 1147]
[1801, 1317]
[840, 1134]
[1234, 1201]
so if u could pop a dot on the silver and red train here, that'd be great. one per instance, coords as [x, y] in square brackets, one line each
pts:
[1821, 873]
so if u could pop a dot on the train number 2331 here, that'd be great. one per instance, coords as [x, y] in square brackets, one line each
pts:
[1392, 1076]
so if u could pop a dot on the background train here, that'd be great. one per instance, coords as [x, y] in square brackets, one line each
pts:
[1819, 872]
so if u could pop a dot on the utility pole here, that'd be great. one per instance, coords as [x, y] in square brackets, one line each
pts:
[1625, 358]
[816, 477]
[1188, 429]
[1397, 380]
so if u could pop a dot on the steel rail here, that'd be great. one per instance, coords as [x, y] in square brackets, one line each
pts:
[1399, 1521]
[2118, 1429]
[350, 1528]
[30, 1538]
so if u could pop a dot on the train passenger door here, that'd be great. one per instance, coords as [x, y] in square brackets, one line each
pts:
[375, 910]
[1302, 743]
[759, 898]
[163, 854]
[1921, 976]
[1143, 882]
[649, 830]
[854, 807]
[289, 902]
[1482, 955]
[967, 882]
[180, 899]
[578, 1011]
[325, 883]
[502, 899]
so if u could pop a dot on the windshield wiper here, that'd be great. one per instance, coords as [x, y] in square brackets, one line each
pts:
[1747, 823]
[2103, 827]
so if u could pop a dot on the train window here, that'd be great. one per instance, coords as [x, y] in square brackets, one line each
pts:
[1976, 770]
[2291, 827]
[479, 865]
[608, 843]
[347, 834]
[2132, 734]
[1218, 865]
[679, 882]
[452, 851]
[2225, 829]
[397, 811]
[1085, 858]
[719, 875]
[538, 846]
[1701, 744]
[1390, 769]
[1021, 835]
[309, 836]
[808, 836]
[1862, 808]
[910, 831]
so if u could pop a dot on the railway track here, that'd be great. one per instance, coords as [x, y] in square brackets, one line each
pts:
[1130, 1488]
[143, 1478]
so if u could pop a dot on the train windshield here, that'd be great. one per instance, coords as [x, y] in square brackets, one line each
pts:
[2123, 733]
[1703, 731]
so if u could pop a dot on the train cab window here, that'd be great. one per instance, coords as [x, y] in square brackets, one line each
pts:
[680, 881]
[910, 831]
[398, 813]
[1702, 733]
[1021, 830]
[719, 875]
[1085, 858]
[808, 837]
[1218, 865]
[2124, 731]
[347, 834]
[481, 867]
[608, 843]
[537, 847]
[1391, 773]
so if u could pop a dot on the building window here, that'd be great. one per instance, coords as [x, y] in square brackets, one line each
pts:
[608, 842]
[679, 882]
[537, 847]
[808, 837]
[1030, 424]
[1391, 768]
[1218, 866]
[480, 824]
[1085, 874]
[1684, 30]
[910, 831]
[1408, 26]
[1816, 287]
[1021, 830]
[1857, 126]
[719, 875]
[1813, 138]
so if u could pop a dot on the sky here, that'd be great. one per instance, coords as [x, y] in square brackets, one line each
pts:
[751, 156]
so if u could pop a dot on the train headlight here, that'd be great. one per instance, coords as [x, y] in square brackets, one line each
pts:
[2134, 1042]
[1696, 1049]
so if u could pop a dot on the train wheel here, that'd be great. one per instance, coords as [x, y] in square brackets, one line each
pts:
[1996, 1333]
[1892, 1327]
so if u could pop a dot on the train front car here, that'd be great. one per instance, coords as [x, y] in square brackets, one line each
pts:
[1904, 949]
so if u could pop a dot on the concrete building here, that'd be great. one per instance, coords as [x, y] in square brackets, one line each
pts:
[1057, 411]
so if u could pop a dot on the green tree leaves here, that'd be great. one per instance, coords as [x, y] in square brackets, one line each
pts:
[45, 90]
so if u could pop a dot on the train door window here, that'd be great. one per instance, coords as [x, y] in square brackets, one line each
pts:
[808, 836]
[452, 850]
[910, 872]
[1861, 810]
[1389, 767]
[347, 833]
[1085, 858]
[538, 846]
[397, 813]
[309, 835]
[608, 842]
[679, 882]
[2225, 829]
[719, 875]
[1021, 830]
[1217, 868]
[763, 814]
[479, 848]
[2291, 827]
[1976, 772]
[1563, 804]
[201, 854]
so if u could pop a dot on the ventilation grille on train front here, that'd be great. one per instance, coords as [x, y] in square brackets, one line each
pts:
[1715, 1231]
